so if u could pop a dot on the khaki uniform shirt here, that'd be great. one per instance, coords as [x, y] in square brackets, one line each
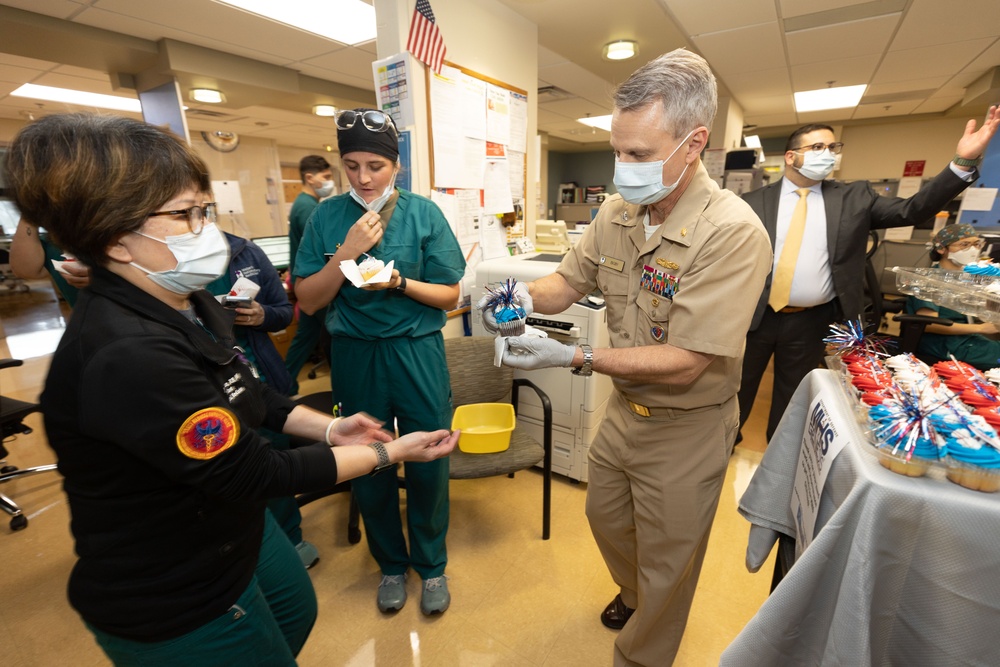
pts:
[694, 284]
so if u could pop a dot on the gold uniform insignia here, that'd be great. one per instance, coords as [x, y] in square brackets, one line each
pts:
[667, 264]
[684, 231]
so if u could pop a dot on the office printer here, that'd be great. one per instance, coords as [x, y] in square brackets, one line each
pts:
[578, 403]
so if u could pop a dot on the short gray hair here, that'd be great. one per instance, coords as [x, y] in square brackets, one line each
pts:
[684, 83]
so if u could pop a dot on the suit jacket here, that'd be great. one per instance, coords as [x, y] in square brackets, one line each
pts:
[852, 209]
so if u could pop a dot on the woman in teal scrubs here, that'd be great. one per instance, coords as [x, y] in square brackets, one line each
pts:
[387, 347]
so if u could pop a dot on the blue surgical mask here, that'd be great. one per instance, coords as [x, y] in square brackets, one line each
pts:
[376, 204]
[642, 182]
[817, 166]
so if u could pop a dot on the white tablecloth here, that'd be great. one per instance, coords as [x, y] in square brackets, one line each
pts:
[903, 571]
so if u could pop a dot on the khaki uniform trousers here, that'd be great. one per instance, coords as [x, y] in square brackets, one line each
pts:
[654, 487]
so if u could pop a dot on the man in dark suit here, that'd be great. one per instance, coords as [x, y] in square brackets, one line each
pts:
[820, 280]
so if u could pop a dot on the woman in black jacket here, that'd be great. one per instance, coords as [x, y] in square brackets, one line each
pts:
[153, 413]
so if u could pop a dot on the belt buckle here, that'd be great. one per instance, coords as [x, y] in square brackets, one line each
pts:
[640, 410]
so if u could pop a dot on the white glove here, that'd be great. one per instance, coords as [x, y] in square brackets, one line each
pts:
[490, 321]
[530, 353]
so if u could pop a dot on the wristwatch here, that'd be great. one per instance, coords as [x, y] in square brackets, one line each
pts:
[588, 362]
[967, 162]
[402, 284]
[383, 457]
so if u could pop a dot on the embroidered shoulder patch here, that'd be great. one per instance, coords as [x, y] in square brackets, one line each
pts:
[207, 433]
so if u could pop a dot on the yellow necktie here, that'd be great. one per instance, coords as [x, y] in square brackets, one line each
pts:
[781, 286]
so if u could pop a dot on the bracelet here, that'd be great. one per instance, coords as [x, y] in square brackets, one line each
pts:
[329, 427]
[967, 162]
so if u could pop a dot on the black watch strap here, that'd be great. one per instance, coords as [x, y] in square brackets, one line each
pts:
[402, 284]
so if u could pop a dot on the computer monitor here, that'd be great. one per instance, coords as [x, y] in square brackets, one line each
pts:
[551, 236]
[277, 250]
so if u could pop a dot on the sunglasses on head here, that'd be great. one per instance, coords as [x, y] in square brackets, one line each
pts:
[373, 120]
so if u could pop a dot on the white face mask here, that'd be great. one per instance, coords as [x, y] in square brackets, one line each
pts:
[201, 258]
[642, 182]
[817, 166]
[376, 204]
[324, 189]
[967, 256]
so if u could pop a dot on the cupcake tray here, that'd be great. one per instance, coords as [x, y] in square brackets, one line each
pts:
[940, 469]
[957, 290]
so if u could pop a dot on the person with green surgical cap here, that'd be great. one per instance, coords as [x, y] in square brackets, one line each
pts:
[953, 247]
[389, 351]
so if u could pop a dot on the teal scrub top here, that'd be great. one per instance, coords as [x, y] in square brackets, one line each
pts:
[975, 349]
[302, 208]
[419, 241]
[52, 252]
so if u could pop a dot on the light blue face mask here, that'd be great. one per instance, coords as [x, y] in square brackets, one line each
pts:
[642, 182]
[817, 166]
[378, 203]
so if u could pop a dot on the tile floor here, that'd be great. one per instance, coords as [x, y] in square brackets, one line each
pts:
[517, 600]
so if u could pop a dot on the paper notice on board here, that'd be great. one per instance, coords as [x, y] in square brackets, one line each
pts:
[473, 94]
[908, 186]
[497, 114]
[518, 122]
[496, 190]
[978, 199]
[714, 160]
[227, 197]
[493, 238]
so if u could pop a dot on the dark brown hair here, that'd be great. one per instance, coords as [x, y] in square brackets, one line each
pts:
[312, 164]
[90, 178]
[805, 129]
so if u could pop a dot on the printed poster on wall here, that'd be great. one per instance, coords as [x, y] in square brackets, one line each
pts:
[392, 88]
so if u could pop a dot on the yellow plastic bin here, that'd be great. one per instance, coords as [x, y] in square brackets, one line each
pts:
[486, 427]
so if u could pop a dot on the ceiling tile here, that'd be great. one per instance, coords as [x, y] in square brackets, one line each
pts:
[881, 110]
[769, 105]
[828, 116]
[790, 8]
[83, 84]
[28, 63]
[768, 120]
[765, 83]
[61, 9]
[866, 37]
[989, 59]
[698, 17]
[928, 60]
[749, 49]
[938, 104]
[845, 72]
[18, 75]
[902, 87]
[81, 72]
[930, 22]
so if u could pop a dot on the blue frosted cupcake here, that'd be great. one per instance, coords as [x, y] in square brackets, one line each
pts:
[973, 462]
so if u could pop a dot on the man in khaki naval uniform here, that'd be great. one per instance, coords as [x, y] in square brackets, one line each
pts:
[680, 275]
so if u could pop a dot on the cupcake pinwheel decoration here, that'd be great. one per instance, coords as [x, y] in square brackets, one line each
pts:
[507, 310]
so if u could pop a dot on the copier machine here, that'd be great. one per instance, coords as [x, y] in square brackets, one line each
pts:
[578, 403]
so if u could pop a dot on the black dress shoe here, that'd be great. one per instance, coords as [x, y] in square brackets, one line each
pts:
[616, 614]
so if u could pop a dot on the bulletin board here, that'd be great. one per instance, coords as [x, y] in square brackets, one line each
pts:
[478, 160]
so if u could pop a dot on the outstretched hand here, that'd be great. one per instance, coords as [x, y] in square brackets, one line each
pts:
[974, 142]
[358, 429]
[422, 446]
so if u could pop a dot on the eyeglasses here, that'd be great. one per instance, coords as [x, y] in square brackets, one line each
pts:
[196, 215]
[373, 120]
[958, 246]
[835, 148]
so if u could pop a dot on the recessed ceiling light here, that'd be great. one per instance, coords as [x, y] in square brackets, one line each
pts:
[600, 122]
[345, 21]
[207, 96]
[623, 49]
[78, 97]
[829, 98]
[325, 110]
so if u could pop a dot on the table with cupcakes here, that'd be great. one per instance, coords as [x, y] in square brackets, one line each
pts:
[903, 566]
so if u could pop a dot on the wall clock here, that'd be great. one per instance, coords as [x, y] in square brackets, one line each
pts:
[224, 142]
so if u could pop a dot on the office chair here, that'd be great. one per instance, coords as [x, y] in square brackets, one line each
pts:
[474, 379]
[12, 415]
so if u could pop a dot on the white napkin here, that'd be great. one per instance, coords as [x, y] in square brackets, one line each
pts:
[500, 343]
[59, 264]
[351, 271]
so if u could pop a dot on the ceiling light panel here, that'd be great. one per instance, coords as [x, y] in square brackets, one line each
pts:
[77, 97]
[345, 21]
[822, 99]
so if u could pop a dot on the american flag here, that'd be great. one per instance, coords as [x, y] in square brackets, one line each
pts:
[425, 41]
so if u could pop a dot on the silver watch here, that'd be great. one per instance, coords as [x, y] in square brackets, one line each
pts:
[588, 361]
[383, 457]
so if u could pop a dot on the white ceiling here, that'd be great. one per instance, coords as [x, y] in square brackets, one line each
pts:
[918, 57]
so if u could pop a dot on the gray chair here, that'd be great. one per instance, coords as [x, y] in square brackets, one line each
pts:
[474, 379]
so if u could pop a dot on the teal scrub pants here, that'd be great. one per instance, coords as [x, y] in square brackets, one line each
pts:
[402, 379]
[268, 624]
[284, 509]
[303, 344]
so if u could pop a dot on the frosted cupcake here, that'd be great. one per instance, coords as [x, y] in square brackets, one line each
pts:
[370, 267]
[908, 444]
[972, 462]
[506, 304]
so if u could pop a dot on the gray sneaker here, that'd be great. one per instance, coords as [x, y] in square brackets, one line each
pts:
[392, 592]
[308, 553]
[435, 598]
